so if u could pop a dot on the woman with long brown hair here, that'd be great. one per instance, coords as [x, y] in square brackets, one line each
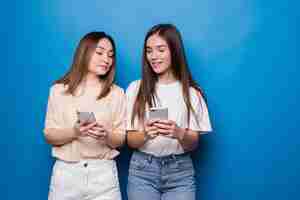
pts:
[85, 124]
[166, 113]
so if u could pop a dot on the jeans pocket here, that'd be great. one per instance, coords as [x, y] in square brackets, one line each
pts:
[185, 164]
[137, 164]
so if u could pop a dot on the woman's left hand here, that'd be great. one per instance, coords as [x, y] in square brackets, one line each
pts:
[99, 132]
[170, 128]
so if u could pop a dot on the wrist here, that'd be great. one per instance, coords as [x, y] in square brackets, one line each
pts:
[146, 136]
[181, 133]
[107, 135]
[107, 139]
[76, 130]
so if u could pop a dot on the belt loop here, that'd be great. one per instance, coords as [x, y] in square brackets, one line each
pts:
[149, 158]
[174, 157]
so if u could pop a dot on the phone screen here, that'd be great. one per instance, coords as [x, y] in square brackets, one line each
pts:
[158, 113]
[86, 117]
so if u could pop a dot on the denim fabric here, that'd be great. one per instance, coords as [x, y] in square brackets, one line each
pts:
[161, 178]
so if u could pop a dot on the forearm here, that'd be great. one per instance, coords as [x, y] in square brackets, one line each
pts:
[189, 140]
[60, 136]
[115, 139]
[136, 139]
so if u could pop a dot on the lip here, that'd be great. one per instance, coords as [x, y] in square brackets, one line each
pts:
[156, 64]
[103, 66]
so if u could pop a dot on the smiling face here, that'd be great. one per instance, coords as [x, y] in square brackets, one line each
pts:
[102, 58]
[158, 54]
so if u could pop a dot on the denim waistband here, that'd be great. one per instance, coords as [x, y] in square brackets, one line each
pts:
[163, 158]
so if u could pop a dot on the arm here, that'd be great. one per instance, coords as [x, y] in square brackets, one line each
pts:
[54, 132]
[186, 137]
[115, 140]
[118, 134]
[136, 139]
[112, 139]
[60, 136]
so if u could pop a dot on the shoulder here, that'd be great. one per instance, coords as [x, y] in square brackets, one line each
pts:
[133, 87]
[196, 95]
[58, 89]
[117, 90]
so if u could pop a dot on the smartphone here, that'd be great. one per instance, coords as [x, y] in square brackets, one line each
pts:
[86, 117]
[158, 113]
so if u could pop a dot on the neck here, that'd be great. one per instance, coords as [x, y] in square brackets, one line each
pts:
[92, 80]
[166, 78]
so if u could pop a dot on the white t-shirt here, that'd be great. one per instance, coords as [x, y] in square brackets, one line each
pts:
[171, 97]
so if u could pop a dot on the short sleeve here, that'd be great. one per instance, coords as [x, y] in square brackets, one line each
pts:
[200, 121]
[53, 119]
[131, 94]
[119, 112]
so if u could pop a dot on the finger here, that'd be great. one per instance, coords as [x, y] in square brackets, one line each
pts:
[151, 121]
[93, 135]
[88, 126]
[84, 134]
[152, 134]
[99, 125]
[98, 136]
[92, 124]
[97, 133]
[151, 128]
[164, 131]
[162, 126]
[166, 122]
[95, 128]
[92, 131]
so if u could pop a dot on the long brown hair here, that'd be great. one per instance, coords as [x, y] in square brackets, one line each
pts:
[79, 68]
[146, 94]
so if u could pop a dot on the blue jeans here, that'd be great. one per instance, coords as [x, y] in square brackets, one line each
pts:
[161, 178]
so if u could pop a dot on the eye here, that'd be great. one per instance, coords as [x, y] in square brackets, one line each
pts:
[110, 54]
[99, 52]
[148, 51]
[161, 49]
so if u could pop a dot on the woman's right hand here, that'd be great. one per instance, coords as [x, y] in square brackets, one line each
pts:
[82, 129]
[151, 131]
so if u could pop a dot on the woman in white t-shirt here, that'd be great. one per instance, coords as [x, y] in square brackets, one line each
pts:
[84, 144]
[161, 166]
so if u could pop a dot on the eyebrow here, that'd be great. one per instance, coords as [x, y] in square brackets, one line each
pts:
[159, 46]
[100, 47]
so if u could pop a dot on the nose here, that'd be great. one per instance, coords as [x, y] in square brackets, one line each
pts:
[154, 55]
[105, 58]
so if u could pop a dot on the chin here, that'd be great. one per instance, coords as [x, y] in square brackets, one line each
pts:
[159, 71]
[102, 73]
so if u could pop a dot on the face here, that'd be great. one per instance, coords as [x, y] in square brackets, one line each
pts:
[158, 54]
[102, 58]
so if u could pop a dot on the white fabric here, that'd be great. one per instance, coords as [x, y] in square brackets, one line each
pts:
[73, 180]
[170, 96]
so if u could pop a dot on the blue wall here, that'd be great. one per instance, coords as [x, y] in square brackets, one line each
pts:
[243, 53]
